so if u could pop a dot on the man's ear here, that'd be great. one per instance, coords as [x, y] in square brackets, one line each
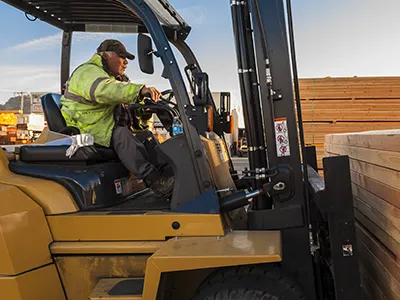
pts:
[105, 57]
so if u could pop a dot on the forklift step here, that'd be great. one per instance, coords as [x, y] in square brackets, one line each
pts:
[118, 288]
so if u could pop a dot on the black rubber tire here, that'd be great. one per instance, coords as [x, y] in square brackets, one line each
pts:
[259, 282]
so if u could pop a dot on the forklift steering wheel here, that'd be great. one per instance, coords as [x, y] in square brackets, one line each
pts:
[170, 94]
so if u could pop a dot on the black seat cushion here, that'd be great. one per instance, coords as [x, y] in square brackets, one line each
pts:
[92, 186]
[57, 154]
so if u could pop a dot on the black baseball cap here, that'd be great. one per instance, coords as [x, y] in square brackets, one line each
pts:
[115, 46]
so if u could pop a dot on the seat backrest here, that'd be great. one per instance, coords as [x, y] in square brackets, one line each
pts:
[51, 104]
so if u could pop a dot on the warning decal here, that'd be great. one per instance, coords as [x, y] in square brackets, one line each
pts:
[282, 137]
[118, 186]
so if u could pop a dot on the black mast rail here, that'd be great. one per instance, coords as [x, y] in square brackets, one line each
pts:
[247, 71]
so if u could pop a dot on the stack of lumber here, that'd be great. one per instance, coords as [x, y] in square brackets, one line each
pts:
[375, 174]
[340, 105]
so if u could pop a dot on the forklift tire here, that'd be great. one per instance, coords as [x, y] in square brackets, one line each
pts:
[258, 282]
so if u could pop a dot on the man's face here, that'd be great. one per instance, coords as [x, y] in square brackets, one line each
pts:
[116, 64]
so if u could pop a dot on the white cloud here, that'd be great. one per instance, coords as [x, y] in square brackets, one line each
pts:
[44, 43]
[27, 79]
[40, 43]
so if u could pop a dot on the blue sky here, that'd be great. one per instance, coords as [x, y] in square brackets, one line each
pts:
[333, 38]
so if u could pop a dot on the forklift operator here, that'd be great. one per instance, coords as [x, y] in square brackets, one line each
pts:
[96, 101]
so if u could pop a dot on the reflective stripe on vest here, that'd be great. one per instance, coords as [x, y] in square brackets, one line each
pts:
[94, 87]
[77, 98]
[80, 99]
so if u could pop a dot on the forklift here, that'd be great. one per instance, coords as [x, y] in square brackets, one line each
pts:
[276, 230]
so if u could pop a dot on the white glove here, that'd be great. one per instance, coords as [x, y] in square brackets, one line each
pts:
[78, 141]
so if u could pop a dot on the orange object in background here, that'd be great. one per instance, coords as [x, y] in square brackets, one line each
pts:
[8, 118]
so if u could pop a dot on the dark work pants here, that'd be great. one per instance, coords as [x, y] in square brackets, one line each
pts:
[131, 152]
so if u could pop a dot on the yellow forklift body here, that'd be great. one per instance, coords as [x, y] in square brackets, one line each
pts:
[91, 262]
[24, 234]
[150, 226]
[110, 247]
[88, 247]
[26, 266]
[80, 274]
[191, 253]
[51, 196]
[38, 284]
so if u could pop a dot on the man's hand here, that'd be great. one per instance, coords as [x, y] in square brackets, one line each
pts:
[150, 92]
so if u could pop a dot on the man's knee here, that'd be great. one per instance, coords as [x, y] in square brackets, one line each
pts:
[121, 132]
[124, 140]
[123, 135]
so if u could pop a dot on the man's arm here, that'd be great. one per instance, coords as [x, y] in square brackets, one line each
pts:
[93, 84]
[96, 85]
[112, 91]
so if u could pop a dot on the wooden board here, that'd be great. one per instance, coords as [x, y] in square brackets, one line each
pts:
[371, 290]
[380, 174]
[350, 88]
[348, 127]
[380, 234]
[388, 140]
[387, 176]
[365, 104]
[351, 80]
[315, 132]
[355, 114]
[376, 270]
[342, 105]
[375, 174]
[337, 93]
[391, 212]
[387, 159]
[379, 219]
[385, 257]
[380, 189]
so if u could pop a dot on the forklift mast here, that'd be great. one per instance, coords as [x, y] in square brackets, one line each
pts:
[308, 203]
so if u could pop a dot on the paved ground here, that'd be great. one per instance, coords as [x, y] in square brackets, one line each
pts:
[240, 163]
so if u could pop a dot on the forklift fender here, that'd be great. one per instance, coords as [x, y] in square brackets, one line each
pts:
[191, 253]
[27, 270]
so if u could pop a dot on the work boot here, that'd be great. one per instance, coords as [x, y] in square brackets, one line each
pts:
[161, 186]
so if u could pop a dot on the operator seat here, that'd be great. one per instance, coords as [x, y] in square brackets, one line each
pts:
[51, 104]
[90, 175]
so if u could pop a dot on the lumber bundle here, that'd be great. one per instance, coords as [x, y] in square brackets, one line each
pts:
[375, 175]
[340, 105]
